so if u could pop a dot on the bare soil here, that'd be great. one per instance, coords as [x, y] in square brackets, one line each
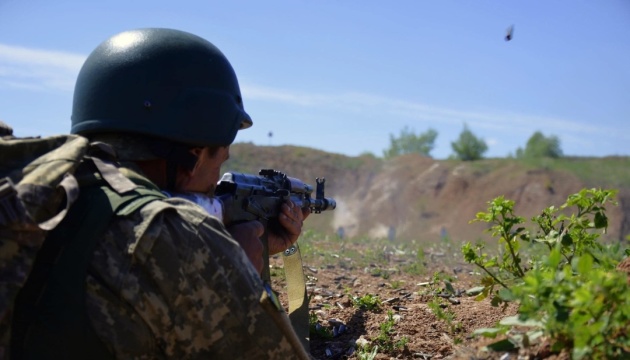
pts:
[333, 282]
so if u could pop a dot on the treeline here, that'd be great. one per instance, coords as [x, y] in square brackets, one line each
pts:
[468, 146]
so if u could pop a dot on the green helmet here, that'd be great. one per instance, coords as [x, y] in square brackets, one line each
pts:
[160, 83]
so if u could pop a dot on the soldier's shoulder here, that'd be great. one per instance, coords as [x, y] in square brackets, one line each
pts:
[181, 209]
[172, 220]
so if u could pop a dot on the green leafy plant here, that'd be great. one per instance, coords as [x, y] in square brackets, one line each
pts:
[367, 352]
[572, 235]
[367, 301]
[396, 284]
[444, 313]
[500, 269]
[571, 293]
[385, 338]
[582, 307]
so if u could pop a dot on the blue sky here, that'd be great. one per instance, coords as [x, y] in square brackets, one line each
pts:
[342, 76]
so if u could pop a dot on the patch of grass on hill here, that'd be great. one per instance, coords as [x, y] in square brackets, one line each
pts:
[609, 172]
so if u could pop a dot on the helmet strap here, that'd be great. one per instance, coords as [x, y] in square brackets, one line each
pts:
[176, 156]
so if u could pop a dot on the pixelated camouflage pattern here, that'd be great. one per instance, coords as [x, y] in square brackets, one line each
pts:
[168, 282]
[36, 166]
[17, 254]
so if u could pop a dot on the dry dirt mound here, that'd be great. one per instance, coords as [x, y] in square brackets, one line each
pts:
[418, 198]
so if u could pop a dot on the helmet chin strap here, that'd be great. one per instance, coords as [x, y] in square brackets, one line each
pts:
[171, 174]
[176, 156]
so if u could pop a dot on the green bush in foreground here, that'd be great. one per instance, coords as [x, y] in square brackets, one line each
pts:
[571, 292]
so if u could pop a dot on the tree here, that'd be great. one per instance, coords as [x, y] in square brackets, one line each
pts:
[408, 143]
[468, 147]
[540, 145]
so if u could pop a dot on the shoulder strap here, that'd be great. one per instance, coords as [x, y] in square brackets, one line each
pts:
[51, 314]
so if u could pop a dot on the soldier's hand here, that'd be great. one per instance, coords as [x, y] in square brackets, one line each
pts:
[248, 234]
[291, 219]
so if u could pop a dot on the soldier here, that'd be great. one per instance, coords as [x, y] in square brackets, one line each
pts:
[167, 280]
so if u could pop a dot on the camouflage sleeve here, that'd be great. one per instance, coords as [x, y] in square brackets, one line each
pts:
[182, 288]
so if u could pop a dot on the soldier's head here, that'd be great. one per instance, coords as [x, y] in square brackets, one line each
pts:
[165, 90]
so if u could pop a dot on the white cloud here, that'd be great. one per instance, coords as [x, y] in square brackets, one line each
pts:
[251, 91]
[38, 70]
[491, 119]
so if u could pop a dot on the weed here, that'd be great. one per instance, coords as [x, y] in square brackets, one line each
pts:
[396, 284]
[444, 313]
[571, 293]
[367, 301]
[367, 352]
[376, 272]
[385, 337]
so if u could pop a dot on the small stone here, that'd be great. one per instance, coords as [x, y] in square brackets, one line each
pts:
[362, 342]
[396, 318]
[391, 300]
[453, 301]
[474, 291]
[335, 322]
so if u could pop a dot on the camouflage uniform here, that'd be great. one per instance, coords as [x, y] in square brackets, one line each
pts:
[170, 282]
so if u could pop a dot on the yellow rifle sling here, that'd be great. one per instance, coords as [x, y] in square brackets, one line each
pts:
[296, 291]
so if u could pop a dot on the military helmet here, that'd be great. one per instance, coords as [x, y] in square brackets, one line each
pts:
[161, 83]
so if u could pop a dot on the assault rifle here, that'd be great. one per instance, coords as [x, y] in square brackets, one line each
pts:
[248, 197]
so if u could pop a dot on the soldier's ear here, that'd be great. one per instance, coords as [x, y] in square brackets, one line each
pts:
[196, 151]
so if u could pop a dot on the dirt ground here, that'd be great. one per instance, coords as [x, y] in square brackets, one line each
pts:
[334, 280]
[410, 281]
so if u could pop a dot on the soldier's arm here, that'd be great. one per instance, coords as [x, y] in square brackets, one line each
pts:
[206, 297]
